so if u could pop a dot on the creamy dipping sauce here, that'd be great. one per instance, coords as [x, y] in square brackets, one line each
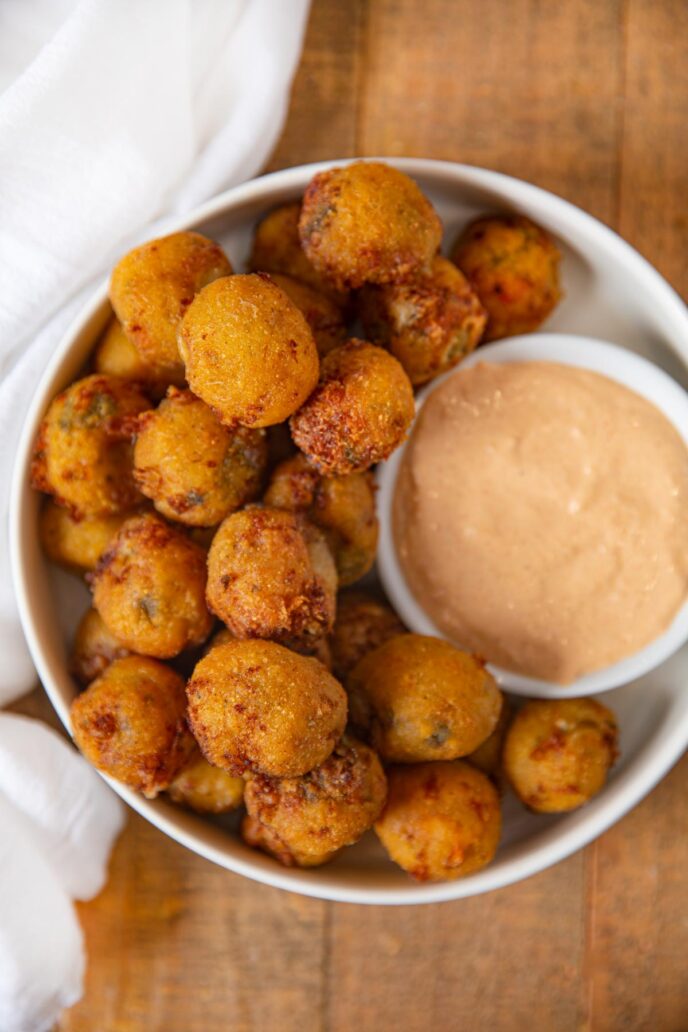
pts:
[541, 517]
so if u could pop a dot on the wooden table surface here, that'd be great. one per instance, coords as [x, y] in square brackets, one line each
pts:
[588, 98]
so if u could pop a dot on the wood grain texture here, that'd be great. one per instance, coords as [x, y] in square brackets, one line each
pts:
[588, 99]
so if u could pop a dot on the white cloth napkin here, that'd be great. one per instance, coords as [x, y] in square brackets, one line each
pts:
[113, 113]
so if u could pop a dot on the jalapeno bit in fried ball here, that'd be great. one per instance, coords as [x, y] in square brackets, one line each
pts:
[361, 625]
[368, 223]
[429, 324]
[248, 350]
[359, 412]
[306, 820]
[206, 789]
[130, 724]
[513, 266]
[557, 753]
[194, 469]
[424, 699]
[152, 287]
[94, 648]
[271, 575]
[442, 820]
[83, 452]
[342, 507]
[258, 708]
[277, 248]
[76, 544]
[149, 588]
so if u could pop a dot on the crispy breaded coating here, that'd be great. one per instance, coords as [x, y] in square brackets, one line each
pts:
[130, 723]
[367, 223]
[149, 588]
[151, 288]
[83, 451]
[256, 707]
[558, 752]
[249, 352]
[359, 412]
[442, 820]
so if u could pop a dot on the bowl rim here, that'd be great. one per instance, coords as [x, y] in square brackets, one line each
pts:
[615, 363]
[554, 843]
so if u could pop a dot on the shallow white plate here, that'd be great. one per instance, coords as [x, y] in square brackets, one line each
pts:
[611, 293]
[618, 364]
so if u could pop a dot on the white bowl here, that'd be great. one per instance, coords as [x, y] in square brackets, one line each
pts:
[612, 293]
[618, 364]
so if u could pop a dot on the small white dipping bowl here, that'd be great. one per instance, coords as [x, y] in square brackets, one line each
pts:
[618, 364]
[610, 292]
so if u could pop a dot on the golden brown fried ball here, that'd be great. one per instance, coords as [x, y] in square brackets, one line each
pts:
[271, 575]
[368, 223]
[321, 313]
[117, 356]
[94, 648]
[488, 756]
[152, 287]
[359, 412]
[442, 820]
[193, 468]
[249, 352]
[309, 818]
[277, 248]
[206, 789]
[149, 588]
[557, 753]
[424, 698]
[130, 723]
[83, 452]
[256, 707]
[342, 507]
[76, 544]
[513, 266]
[361, 625]
[429, 324]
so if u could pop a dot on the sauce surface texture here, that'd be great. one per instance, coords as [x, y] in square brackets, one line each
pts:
[540, 517]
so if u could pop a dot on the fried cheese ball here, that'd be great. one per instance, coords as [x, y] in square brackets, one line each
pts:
[117, 356]
[130, 723]
[206, 789]
[429, 324]
[423, 699]
[277, 248]
[194, 469]
[557, 753]
[488, 756]
[83, 451]
[442, 820]
[342, 507]
[307, 819]
[248, 350]
[359, 412]
[152, 287]
[256, 707]
[368, 223]
[271, 575]
[513, 266]
[321, 313]
[75, 544]
[94, 648]
[149, 588]
[361, 625]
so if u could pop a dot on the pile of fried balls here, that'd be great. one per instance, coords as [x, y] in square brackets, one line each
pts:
[210, 476]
